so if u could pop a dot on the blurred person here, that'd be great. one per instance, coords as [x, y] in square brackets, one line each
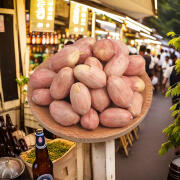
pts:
[165, 64]
[155, 81]
[132, 50]
[177, 54]
[152, 64]
[174, 79]
[163, 56]
[147, 58]
[158, 71]
[72, 38]
[170, 61]
[167, 74]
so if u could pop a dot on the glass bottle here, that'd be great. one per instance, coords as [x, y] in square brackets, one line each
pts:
[23, 144]
[28, 38]
[42, 167]
[3, 150]
[4, 133]
[38, 39]
[17, 147]
[52, 38]
[43, 38]
[33, 39]
[10, 126]
[55, 38]
[47, 38]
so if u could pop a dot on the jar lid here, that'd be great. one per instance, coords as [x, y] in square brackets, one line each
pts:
[175, 163]
[10, 167]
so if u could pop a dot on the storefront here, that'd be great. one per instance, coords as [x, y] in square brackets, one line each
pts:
[45, 26]
[9, 62]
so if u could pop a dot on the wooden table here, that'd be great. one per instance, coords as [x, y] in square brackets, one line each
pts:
[95, 149]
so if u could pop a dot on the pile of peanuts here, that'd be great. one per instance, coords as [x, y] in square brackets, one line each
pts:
[91, 82]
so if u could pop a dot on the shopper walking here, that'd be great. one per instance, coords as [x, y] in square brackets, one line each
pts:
[163, 56]
[167, 75]
[147, 58]
[158, 71]
[165, 64]
[152, 64]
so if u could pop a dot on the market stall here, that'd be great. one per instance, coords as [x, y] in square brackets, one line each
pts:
[44, 35]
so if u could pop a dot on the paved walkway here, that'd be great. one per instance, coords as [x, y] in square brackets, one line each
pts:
[144, 162]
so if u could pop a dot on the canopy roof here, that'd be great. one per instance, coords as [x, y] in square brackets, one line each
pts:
[134, 8]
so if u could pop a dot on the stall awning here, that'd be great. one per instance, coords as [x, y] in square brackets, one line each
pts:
[133, 8]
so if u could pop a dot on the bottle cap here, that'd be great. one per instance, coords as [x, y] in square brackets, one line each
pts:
[39, 132]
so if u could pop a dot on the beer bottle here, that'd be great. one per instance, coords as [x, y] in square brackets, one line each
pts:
[4, 132]
[42, 167]
[3, 151]
[43, 39]
[10, 126]
[6, 137]
[47, 38]
[11, 151]
[23, 144]
[33, 39]
[17, 147]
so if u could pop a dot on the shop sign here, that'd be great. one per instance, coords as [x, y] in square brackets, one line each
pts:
[62, 8]
[2, 29]
[42, 15]
[78, 19]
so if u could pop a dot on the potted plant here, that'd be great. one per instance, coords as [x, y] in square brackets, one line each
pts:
[173, 130]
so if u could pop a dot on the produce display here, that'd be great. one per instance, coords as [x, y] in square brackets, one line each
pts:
[91, 83]
[55, 149]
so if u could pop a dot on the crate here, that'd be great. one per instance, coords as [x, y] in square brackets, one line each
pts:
[64, 168]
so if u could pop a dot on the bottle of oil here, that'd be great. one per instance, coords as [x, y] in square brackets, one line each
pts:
[42, 166]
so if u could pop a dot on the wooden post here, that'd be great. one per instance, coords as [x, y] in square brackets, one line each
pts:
[87, 162]
[98, 161]
[21, 18]
[110, 160]
[80, 161]
[103, 160]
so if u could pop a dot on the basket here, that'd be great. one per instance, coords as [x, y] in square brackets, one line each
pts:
[64, 168]
[76, 133]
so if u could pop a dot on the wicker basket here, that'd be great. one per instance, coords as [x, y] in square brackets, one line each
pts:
[64, 168]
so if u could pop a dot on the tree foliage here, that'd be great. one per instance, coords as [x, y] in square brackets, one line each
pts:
[173, 130]
[168, 17]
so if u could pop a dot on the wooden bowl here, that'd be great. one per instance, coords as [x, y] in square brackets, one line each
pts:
[77, 133]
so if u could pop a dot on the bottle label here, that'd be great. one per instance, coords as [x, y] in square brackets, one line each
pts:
[40, 141]
[45, 177]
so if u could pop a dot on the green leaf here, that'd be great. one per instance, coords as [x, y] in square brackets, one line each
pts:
[178, 66]
[174, 113]
[22, 80]
[174, 91]
[173, 107]
[176, 131]
[172, 34]
[177, 137]
[167, 131]
[168, 92]
[177, 120]
[165, 147]
[175, 42]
